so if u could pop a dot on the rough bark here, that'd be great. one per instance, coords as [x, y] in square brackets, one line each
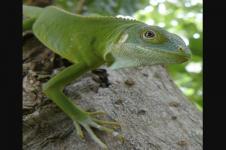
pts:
[152, 111]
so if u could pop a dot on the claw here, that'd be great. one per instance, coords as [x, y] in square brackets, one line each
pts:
[108, 130]
[88, 122]
[78, 129]
[97, 113]
[102, 128]
[115, 124]
[94, 137]
[121, 138]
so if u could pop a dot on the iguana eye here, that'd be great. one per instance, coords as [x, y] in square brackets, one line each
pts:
[149, 34]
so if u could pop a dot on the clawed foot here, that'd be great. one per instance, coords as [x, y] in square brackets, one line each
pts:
[90, 122]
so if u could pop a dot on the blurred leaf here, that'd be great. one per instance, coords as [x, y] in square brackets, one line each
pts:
[104, 7]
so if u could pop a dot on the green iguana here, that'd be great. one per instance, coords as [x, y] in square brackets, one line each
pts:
[90, 41]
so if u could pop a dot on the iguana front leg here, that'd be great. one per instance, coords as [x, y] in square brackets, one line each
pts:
[54, 90]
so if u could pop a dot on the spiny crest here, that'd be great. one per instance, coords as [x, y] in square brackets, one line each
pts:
[119, 18]
[123, 18]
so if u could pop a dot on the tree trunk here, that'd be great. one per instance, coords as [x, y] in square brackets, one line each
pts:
[152, 111]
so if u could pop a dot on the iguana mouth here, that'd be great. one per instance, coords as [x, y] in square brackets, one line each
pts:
[184, 58]
[178, 56]
[182, 54]
[188, 56]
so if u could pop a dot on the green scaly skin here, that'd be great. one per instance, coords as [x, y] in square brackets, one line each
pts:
[89, 42]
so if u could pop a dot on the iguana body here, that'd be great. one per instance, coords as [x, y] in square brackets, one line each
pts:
[89, 42]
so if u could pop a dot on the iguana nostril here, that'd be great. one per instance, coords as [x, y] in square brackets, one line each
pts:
[181, 49]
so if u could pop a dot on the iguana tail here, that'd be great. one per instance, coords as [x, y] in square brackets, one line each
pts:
[30, 14]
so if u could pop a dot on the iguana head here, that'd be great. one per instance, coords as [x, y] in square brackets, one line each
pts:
[141, 45]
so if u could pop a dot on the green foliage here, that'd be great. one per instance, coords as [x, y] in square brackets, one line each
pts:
[103, 7]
